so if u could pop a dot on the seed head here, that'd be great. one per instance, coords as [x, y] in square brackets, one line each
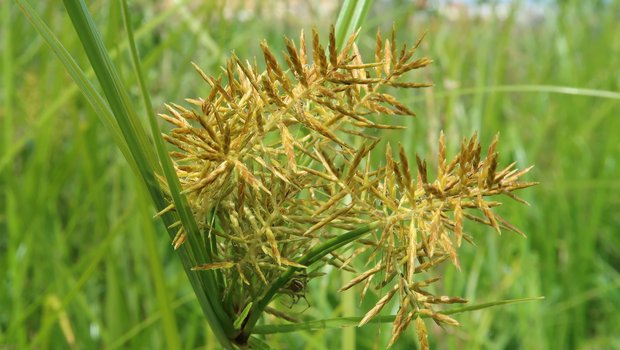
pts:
[280, 161]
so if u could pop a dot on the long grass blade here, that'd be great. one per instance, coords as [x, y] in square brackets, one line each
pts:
[120, 117]
[354, 321]
[553, 89]
[52, 109]
[314, 255]
[350, 18]
[114, 91]
[209, 285]
[138, 143]
[80, 78]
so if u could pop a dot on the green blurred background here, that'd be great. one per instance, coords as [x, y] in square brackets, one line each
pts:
[83, 265]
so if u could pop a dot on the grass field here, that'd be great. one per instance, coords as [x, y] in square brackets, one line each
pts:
[83, 264]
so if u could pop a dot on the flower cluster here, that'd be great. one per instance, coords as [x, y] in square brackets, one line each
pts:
[274, 163]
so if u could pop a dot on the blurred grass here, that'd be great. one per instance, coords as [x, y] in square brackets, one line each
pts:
[80, 256]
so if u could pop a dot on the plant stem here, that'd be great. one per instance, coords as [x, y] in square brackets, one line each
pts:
[350, 18]
[315, 254]
[209, 283]
[146, 160]
[341, 322]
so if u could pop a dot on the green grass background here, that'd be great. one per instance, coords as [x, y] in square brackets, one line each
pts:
[83, 265]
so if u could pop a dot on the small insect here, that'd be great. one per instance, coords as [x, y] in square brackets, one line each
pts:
[296, 289]
[296, 285]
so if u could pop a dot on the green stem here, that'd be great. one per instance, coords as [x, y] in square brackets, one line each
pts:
[142, 152]
[341, 322]
[209, 284]
[315, 254]
[111, 84]
[350, 18]
[552, 89]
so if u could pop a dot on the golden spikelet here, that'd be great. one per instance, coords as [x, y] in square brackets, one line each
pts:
[378, 306]
[422, 334]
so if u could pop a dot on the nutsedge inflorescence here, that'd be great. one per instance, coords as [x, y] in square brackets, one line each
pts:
[274, 163]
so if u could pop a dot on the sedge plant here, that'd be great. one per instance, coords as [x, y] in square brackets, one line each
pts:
[271, 177]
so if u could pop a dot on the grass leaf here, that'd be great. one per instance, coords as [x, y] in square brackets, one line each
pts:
[341, 322]
[351, 16]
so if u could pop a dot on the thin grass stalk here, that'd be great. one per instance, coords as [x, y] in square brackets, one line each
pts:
[314, 255]
[341, 322]
[348, 336]
[172, 336]
[112, 86]
[351, 16]
[140, 148]
[79, 77]
[554, 89]
[180, 201]
[209, 284]
[133, 154]
[82, 80]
